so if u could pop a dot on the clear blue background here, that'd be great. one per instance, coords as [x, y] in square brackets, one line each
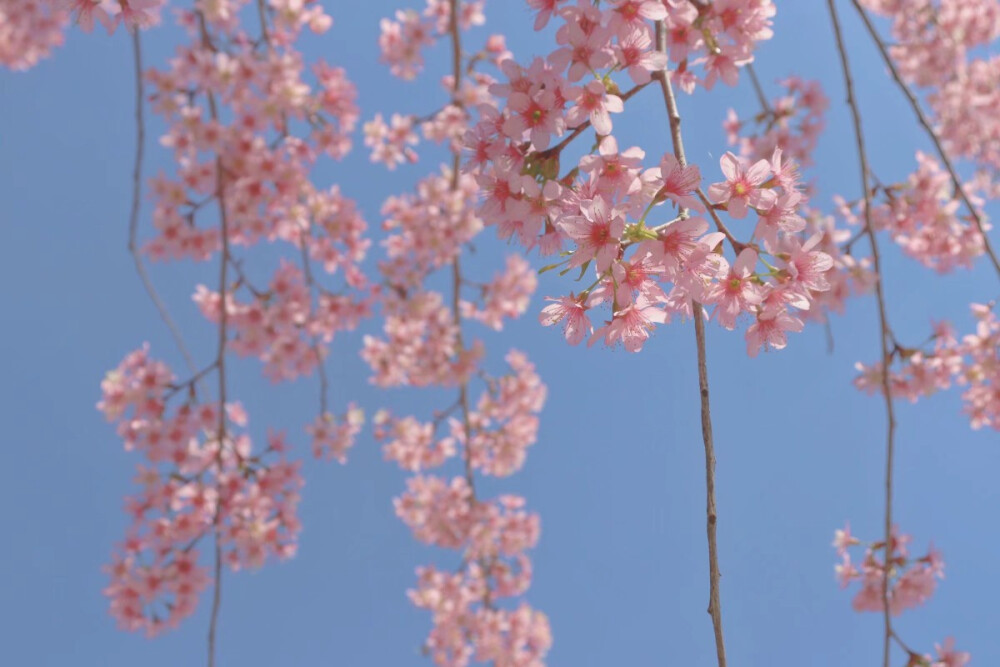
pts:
[617, 474]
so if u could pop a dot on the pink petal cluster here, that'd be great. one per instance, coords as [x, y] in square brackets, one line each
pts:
[332, 437]
[718, 36]
[911, 580]
[29, 31]
[391, 144]
[423, 343]
[943, 47]
[283, 326]
[245, 122]
[505, 297]
[925, 219]
[605, 213]
[971, 362]
[192, 486]
[792, 122]
[134, 14]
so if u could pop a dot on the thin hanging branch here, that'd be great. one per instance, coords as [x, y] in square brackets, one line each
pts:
[456, 269]
[884, 330]
[457, 281]
[714, 603]
[935, 139]
[220, 359]
[761, 97]
[580, 129]
[133, 219]
[220, 362]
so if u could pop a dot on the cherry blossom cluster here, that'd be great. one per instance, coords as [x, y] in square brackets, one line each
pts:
[403, 38]
[192, 484]
[912, 581]
[133, 14]
[718, 37]
[246, 120]
[972, 362]
[423, 344]
[937, 45]
[602, 208]
[492, 536]
[233, 105]
[29, 31]
[791, 122]
[394, 143]
[923, 216]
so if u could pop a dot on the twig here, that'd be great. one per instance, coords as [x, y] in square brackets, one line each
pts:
[220, 359]
[922, 119]
[738, 246]
[828, 329]
[580, 129]
[456, 269]
[192, 381]
[315, 346]
[262, 14]
[658, 229]
[456, 275]
[883, 327]
[714, 603]
[133, 220]
[765, 105]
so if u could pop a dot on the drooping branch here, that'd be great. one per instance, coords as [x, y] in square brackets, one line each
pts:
[580, 129]
[884, 331]
[714, 603]
[220, 359]
[133, 220]
[761, 97]
[931, 133]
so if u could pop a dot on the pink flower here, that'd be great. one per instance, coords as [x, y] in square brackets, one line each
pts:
[679, 183]
[677, 244]
[635, 55]
[948, 656]
[391, 144]
[570, 309]
[536, 115]
[631, 325]
[742, 188]
[629, 16]
[869, 598]
[137, 14]
[507, 295]
[914, 587]
[617, 171]
[545, 10]
[769, 331]
[845, 570]
[843, 539]
[737, 292]
[332, 439]
[807, 267]
[597, 232]
[594, 102]
[88, 10]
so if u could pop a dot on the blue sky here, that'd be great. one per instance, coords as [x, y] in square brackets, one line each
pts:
[617, 473]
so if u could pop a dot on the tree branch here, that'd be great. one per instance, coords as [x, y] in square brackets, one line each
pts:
[714, 603]
[761, 97]
[883, 327]
[580, 129]
[133, 220]
[935, 139]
